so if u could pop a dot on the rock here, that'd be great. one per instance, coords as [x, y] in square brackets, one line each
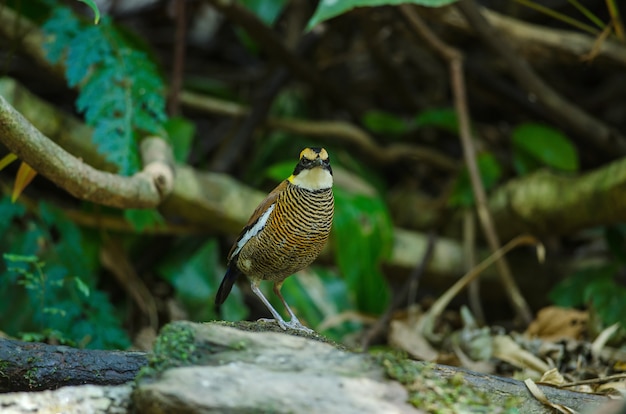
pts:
[233, 371]
[81, 399]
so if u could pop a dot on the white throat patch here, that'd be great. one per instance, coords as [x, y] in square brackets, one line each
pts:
[253, 231]
[314, 179]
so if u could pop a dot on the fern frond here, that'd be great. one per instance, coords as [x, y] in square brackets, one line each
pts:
[120, 91]
[61, 28]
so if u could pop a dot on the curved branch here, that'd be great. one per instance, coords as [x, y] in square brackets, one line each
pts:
[145, 189]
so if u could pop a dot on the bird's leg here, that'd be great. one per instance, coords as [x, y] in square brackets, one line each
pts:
[294, 323]
[279, 319]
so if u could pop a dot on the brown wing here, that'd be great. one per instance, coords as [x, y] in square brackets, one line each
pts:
[258, 212]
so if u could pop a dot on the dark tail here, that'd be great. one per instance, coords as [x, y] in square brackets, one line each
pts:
[232, 273]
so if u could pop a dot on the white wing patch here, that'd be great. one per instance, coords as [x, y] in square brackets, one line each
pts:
[253, 231]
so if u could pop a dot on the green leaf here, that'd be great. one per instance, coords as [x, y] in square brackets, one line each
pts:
[574, 290]
[363, 236]
[266, 10]
[490, 172]
[547, 145]
[8, 211]
[443, 118]
[81, 286]
[60, 29]
[191, 269]
[280, 171]
[384, 123]
[121, 92]
[85, 50]
[142, 219]
[96, 12]
[181, 132]
[327, 9]
[9, 257]
[6, 160]
[616, 240]
[116, 141]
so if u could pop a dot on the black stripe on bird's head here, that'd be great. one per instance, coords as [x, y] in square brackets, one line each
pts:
[313, 157]
[313, 171]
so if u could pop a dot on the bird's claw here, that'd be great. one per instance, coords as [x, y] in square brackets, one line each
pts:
[292, 324]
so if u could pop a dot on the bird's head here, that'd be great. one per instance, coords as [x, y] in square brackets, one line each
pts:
[313, 171]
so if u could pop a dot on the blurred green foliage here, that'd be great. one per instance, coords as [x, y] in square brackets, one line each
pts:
[537, 145]
[48, 281]
[598, 287]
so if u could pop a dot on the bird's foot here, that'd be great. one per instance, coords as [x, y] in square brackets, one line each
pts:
[296, 325]
[292, 324]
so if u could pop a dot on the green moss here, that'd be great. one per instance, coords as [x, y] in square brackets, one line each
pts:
[174, 347]
[434, 394]
[3, 366]
[31, 377]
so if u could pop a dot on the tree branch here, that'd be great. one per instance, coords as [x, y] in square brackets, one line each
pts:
[145, 189]
[546, 203]
[26, 366]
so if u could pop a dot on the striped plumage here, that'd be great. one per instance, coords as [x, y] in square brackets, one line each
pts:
[286, 232]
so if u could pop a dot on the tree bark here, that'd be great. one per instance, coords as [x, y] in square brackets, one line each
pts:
[26, 366]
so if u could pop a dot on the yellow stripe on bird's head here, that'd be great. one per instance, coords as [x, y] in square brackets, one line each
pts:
[313, 172]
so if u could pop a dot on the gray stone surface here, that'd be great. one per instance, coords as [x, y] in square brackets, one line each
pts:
[245, 388]
[83, 399]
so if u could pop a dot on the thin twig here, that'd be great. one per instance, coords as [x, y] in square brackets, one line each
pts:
[469, 253]
[455, 62]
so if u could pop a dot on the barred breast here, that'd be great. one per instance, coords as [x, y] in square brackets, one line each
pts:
[296, 231]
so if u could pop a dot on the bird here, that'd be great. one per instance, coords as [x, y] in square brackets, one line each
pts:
[285, 233]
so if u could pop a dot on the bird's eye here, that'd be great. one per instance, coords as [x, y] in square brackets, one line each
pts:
[306, 161]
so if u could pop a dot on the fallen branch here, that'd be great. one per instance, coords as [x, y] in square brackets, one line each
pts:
[27, 366]
[546, 203]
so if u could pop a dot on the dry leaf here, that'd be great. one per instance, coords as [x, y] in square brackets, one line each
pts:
[25, 175]
[552, 377]
[408, 337]
[507, 350]
[6, 160]
[541, 397]
[554, 323]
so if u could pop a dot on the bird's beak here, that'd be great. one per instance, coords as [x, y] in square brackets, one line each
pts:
[319, 162]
